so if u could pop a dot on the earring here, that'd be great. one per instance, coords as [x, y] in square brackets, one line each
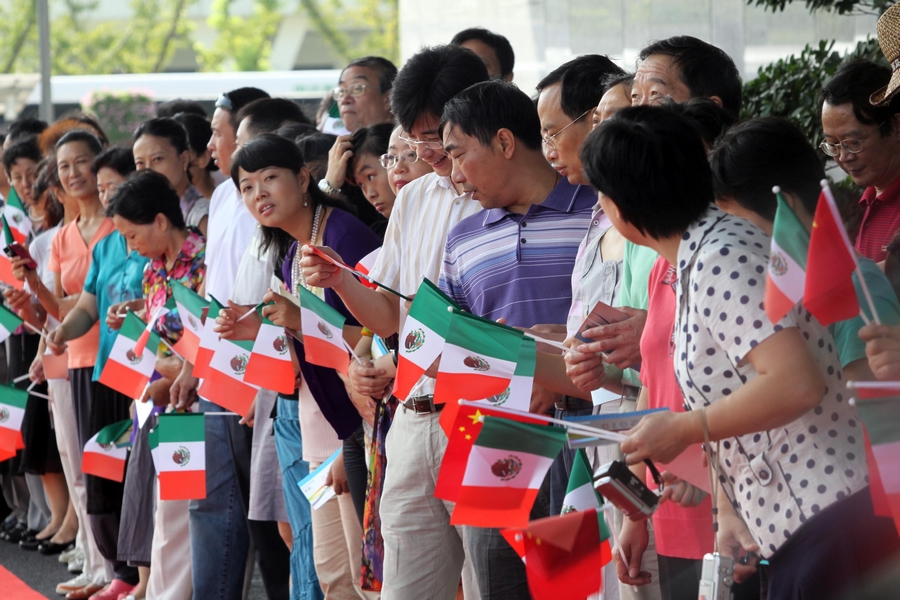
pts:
[305, 200]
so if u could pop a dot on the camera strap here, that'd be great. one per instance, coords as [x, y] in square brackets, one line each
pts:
[654, 472]
[712, 467]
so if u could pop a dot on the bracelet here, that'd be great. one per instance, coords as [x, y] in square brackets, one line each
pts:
[326, 187]
[366, 332]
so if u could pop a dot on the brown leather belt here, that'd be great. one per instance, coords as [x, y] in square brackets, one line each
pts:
[423, 405]
[571, 403]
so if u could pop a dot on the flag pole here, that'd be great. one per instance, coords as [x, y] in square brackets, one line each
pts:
[585, 429]
[352, 353]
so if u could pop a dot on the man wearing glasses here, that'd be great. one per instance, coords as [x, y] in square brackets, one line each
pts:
[864, 141]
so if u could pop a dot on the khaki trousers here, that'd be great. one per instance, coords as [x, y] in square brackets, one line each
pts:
[60, 392]
[170, 554]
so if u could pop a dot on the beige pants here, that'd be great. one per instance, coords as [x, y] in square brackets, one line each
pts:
[337, 548]
[423, 554]
[170, 555]
[60, 392]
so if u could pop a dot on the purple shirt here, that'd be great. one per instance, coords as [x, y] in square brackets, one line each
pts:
[499, 264]
[347, 236]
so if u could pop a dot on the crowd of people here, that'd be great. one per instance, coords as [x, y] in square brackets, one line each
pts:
[641, 190]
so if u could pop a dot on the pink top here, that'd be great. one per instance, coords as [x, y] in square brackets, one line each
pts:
[70, 257]
[680, 532]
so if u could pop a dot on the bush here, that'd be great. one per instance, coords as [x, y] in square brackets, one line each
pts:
[119, 113]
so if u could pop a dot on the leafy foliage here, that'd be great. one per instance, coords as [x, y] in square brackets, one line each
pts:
[119, 113]
[243, 43]
[378, 17]
[842, 7]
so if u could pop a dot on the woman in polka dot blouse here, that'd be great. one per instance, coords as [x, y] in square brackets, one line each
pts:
[791, 457]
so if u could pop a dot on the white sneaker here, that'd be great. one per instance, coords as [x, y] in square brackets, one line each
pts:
[76, 583]
[76, 565]
[68, 555]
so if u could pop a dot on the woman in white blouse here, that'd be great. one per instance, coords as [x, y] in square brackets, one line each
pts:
[791, 459]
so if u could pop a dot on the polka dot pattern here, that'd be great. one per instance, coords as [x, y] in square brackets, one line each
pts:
[777, 479]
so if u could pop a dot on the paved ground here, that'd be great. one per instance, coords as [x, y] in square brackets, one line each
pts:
[42, 573]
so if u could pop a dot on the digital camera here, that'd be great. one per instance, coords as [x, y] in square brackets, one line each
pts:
[626, 491]
[717, 577]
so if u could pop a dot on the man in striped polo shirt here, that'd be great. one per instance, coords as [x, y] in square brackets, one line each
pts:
[512, 261]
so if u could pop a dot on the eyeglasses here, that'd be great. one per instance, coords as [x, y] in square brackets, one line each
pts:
[424, 144]
[389, 161]
[852, 146]
[550, 143]
[224, 101]
[356, 90]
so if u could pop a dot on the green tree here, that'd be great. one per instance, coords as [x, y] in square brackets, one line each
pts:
[842, 7]
[243, 43]
[332, 19]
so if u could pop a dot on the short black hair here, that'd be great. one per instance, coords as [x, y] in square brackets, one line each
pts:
[705, 69]
[268, 114]
[430, 78]
[854, 82]
[84, 136]
[23, 147]
[270, 150]
[652, 164]
[144, 195]
[240, 98]
[118, 158]
[180, 105]
[198, 133]
[44, 178]
[758, 154]
[582, 82]
[623, 78]
[26, 126]
[480, 111]
[387, 71]
[292, 131]
[710, 119]
[314, 148]
[373, 140]
[501, 46]
[87, 120]
[164, 127]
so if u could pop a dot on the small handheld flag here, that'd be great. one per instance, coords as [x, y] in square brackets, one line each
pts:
[127, 371]
[786, 275]
[12, 411]
[14, 213]
[178, 445]
[323, 331]
[105, 454]
[190, 310]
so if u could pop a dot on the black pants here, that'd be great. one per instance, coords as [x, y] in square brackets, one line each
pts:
[357, 469]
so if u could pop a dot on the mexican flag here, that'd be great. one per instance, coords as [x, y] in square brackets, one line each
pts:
[178, 445]
[505, 469]
[6, 270]
[580, 493]
[564, 556]
[9, 322]
[830, 294]
[517, 396]
[879, 408]
[12, 411]
[223, 382]
[105, 453]
[787, 262]
[208, 339]
[270, 364]
[422, 336]
[190, 306]
[365, 265]
[323, 332]
[478, 361]
[16, 217]
[462, 436]
[127, 371]
[141, 342]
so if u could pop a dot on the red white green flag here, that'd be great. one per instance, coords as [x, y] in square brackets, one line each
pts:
[478, 361]
[323, 332]
[141, 342]
[12, 411]
[190, 306]
[461, 437]
[6, 270]
[9, 322]
[580, 493]
[223, 383]
[178, 445]
[127, 371]
[505, 469]
[270, 364]
[517, 396]
[879, 408]
[105, 453]
[829, 293]
[422, 337]
[208, 339]
[16, 217]
[365, 265]
[786, 275]
[564, 556]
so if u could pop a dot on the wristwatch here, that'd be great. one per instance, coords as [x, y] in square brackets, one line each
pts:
[326, 187]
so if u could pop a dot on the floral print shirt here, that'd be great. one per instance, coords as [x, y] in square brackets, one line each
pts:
[189, 270]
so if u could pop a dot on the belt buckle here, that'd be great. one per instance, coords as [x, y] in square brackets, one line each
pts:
[423, 405]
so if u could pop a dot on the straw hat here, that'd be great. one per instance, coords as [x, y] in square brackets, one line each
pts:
[888, 29]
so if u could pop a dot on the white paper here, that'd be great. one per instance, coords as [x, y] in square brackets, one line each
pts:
[603, 395]
[313, 485]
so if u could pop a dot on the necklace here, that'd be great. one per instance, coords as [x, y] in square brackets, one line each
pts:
[296, 273]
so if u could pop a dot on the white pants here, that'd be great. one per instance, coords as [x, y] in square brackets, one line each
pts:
[424, 555]
[70, 454]
[170, 554]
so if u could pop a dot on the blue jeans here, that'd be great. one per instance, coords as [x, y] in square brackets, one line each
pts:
[219, 536]
[289, 445]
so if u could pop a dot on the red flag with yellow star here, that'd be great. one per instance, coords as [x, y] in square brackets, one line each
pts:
[462, 436]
